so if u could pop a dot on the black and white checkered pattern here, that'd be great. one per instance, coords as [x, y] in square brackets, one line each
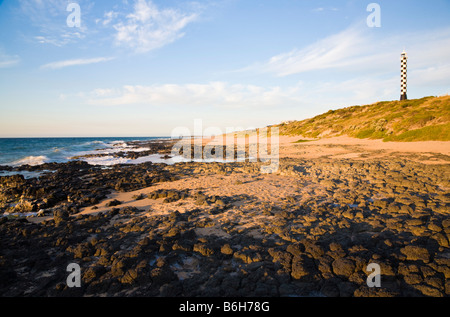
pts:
[404, 64]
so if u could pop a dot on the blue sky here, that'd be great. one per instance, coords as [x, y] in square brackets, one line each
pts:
[144, 68]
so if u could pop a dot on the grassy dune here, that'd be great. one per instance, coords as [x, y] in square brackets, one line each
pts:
[426, 119]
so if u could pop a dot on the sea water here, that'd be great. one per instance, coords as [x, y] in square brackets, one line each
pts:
[36, 151]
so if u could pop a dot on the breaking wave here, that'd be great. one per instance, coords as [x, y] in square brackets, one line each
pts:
[31, 160]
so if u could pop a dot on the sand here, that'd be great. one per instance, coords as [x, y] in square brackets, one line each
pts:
[276, 187]
[343, 147]
[347, 147]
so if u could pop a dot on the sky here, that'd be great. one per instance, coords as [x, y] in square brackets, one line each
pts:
[147, 67]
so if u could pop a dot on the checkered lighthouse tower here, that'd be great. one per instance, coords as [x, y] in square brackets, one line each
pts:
[404, 66]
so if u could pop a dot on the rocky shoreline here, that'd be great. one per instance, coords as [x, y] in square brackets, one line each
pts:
[330, 219]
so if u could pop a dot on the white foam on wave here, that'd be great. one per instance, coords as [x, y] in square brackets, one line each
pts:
[111, 160]
[154, 158]
[31, 160]
[96, 142]
[105, 160]
[120, 149]
[107, 151]
[122, 144]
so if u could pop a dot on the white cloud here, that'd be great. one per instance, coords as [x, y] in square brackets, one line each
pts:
[61, 39]
[335, 51]
[222, 95]
[432, 76]
[214, 94]
[321, 9]
[348, 48]
[149, 28]
[109, 17]
[49, 21]
[75, 62]
[358, 50]
[7, 61]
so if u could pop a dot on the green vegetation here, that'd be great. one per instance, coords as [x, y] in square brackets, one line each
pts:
[429, 133]
[425, 119]
[302, 141]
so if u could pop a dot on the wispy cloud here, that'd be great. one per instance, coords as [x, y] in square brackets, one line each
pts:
[138, 25]
[75, 62]
[49, 20]
[7, 61]
[358, 50]
[335, 51]
[148, 27]
[322, 9]
[223, 95]
[59, 40]
[109, 17]
[214, 94]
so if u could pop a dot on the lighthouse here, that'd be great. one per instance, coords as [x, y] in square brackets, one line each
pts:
[404, 81]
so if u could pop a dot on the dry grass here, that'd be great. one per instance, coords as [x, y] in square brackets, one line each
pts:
[426, 119]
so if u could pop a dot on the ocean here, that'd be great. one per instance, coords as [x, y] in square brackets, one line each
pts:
[35, 151]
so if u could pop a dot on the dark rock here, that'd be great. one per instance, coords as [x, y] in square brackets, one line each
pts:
[427, 290]
[284, 258]
[173, 289]
[413, 278]
[129, 277]
[415, 253]
[139, 197]
[447, 287]
[446, 223]
[60, 216]
[162, 275]
[435, 282]
[203, 249]
[346, 289]
[312, 248]
[113, 203]
[295, 249]
[93, 273]
[441, 240]
[247, 256]
[329, 288]
[302, 267]
[343, 267]
[287, 290]
[117, 268]
[365, 291]
[80, 251]
[226, 249]
[324, 266]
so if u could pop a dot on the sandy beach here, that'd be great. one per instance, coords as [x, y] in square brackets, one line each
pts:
[276, 186]
[226, 229]
[427, 152]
